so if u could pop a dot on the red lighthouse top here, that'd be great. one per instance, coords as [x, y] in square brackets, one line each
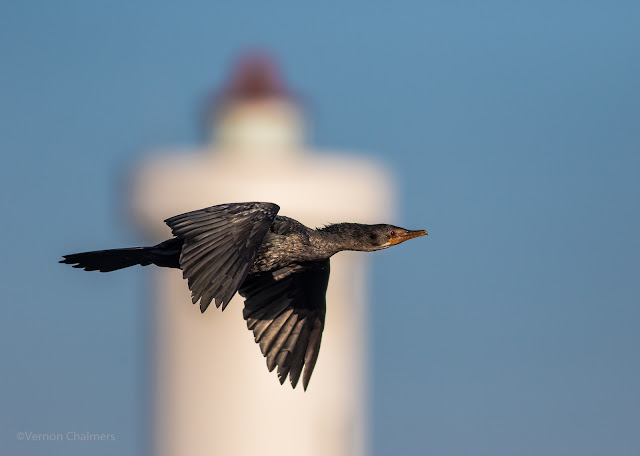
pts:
[255, 76]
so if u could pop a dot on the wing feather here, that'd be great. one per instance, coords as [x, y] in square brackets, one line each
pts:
[297, 358]
[313, 349]
[285, 309]
[269, 335]
[281, 339]
[285, 355]
[220, 245]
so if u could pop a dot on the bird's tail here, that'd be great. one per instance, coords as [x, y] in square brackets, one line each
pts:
[165, 254]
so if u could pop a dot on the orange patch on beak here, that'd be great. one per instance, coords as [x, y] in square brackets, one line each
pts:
[401, 237]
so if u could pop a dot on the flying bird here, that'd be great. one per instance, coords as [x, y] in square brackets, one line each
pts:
[277, 264]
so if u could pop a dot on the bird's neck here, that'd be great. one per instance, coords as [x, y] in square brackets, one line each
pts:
[338, 237]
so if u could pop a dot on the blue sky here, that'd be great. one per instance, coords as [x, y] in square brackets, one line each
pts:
[513, 130]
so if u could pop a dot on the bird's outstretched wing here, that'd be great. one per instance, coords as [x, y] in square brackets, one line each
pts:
[221, 244]
[285, 309]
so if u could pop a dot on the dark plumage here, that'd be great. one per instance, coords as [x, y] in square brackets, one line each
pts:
[277, 264]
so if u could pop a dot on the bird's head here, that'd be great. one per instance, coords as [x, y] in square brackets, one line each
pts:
[376, 237]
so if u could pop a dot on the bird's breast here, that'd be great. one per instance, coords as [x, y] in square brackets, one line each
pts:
[278, 251]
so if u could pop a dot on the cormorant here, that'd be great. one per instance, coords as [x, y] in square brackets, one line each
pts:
[277, 264]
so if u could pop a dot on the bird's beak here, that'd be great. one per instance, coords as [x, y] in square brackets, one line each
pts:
[406, 235]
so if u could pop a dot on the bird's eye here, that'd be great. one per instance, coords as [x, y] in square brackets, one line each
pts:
[392, 233]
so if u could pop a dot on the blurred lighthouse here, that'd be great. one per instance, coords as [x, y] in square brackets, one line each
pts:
[213, 394]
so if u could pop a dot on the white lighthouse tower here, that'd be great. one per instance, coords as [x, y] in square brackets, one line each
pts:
[213, 394]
